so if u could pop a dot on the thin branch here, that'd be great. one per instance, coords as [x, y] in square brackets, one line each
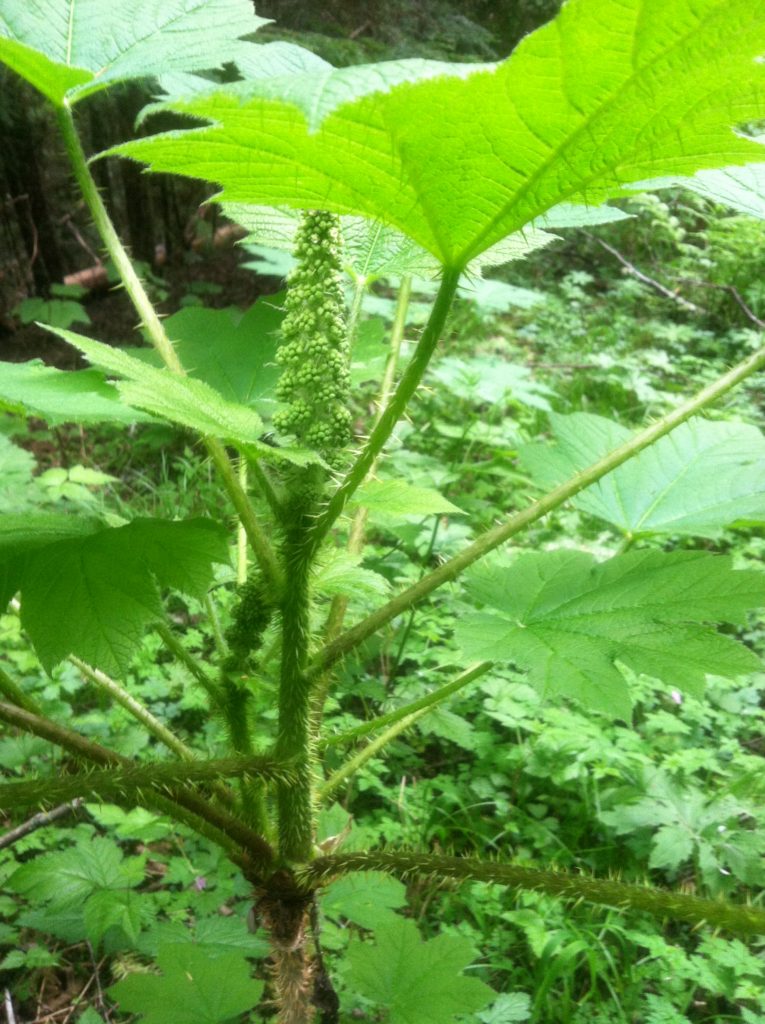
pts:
[38, 821]
[160, 340]
[395, 408]
[134, 707]
[644, 278]
[498, 535]
[735, 295]
[661, 903]
[430, 700]
[183, 805]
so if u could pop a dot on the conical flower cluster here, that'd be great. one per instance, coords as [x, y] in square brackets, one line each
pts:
[315, 379]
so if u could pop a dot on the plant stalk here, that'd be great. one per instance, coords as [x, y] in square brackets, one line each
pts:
[158, 336]
[498, 535]
[609, 892]
[395, 408]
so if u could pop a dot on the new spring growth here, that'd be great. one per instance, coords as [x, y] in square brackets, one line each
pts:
[315, 380]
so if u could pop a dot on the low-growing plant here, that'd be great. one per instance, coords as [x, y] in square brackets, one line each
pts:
[395, 171]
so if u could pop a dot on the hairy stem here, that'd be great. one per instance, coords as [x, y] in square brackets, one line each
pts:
[117, 782]
[395, 408]
[244, 846]
[658, 902]
[294, 741]
[133, 707]
[159, 338]
[11, 690]
[498, 535]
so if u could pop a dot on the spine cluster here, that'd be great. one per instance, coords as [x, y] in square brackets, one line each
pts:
[315, 379]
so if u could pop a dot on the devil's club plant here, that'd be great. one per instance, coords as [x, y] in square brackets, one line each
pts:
[418, 167]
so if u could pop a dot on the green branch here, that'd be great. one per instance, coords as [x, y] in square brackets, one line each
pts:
[395, 408]
[498, 535]
[244, 846]
[159, 338]
[660, 903]
[176, 648]
[430, 700]
[123, 783]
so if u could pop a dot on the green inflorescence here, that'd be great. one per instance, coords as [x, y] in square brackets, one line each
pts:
[315, 379]
[251, 617]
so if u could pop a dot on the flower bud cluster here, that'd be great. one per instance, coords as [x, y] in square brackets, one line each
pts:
[315, 378]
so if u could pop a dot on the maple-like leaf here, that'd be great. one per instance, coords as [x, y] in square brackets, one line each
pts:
[568, 620]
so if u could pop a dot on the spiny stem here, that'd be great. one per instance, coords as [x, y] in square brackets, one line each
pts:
[498, 535]
[117, 782]
[430, 700]
[134, 707]
[400, 720]
[395, 408]
[659, 902]
[242, 844]
[185, 657]
[11, 690]
[158, 336]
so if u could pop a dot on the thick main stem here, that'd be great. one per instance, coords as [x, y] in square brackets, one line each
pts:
[294, 741]
[159, 338]
[497, 536]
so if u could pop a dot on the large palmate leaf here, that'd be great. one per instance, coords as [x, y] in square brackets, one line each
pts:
[62, 396]
[697, 480]
[193, 988]
[72, 48]
[91, 591]
[611, 92]
[416, 982]
[568, 620]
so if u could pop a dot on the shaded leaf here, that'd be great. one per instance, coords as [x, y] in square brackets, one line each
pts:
[567, 620]
[369, 899]
[94, 594]
[194, 988]
[416, 982]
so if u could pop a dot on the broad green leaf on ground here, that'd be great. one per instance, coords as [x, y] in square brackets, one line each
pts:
[509, 1008]
[369, 899]
[93, 595]
[72, 48]
[416, 982]
[62, 396]
[567, 620]
[488, 379]
[611, 92]
[123, 909]
[392, 500]
[65, 877]
[699, 479]
[183, 400]
[16, 469]
[194, 988]
[60, 312]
